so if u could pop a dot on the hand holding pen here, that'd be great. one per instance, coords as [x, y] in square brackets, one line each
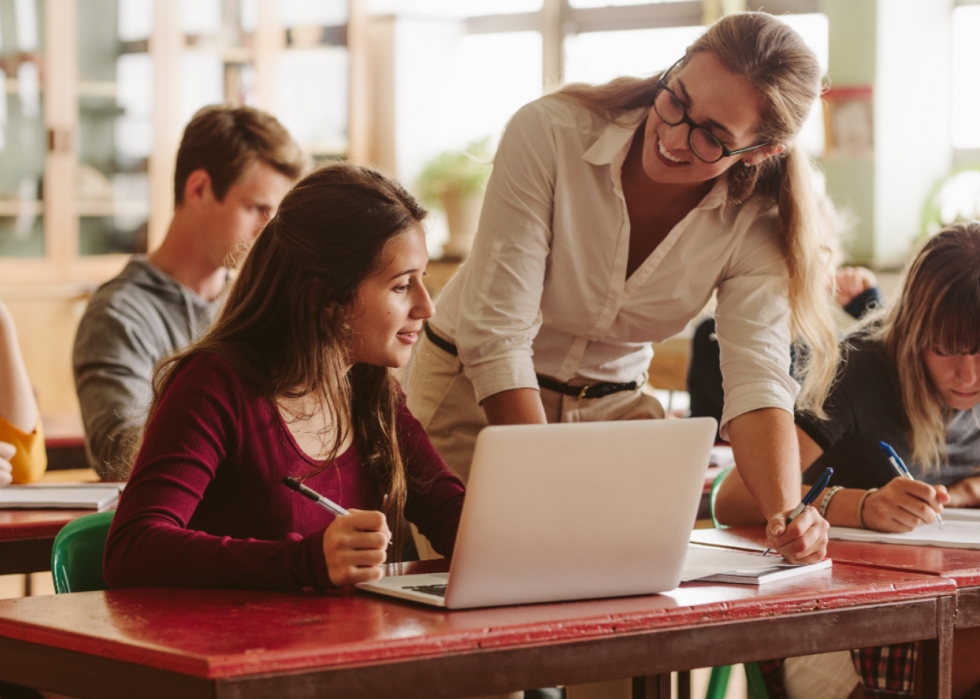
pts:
[809, 498]
[355, 544]
[906, 505]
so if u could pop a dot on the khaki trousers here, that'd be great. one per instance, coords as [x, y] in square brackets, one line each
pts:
[442, 399]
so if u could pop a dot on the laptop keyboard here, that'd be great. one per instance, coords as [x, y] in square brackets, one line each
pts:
[437, 590]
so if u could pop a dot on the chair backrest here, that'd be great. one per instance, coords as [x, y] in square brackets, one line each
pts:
[76, 557]
[714, 495]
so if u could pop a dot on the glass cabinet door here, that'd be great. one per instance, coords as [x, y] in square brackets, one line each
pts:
[313, 74]
[23, 141]
[216, 65]
[115, 125]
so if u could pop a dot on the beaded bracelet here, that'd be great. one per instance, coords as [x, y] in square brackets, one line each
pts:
[828, 496]
[861, 507]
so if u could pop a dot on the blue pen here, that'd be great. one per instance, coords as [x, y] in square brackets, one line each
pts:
[900, 466]
[810, 496]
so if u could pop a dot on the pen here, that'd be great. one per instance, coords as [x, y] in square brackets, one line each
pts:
[325, 503]
[900, 466]
[808, 499]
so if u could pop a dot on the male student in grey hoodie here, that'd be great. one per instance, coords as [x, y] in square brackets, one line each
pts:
[234, 166]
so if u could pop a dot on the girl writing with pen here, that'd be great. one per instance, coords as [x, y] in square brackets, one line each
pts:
[911, 379]
[293, 380]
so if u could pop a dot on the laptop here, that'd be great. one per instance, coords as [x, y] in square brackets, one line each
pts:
[571, 511]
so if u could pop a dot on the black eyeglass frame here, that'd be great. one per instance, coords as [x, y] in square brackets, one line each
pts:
[686, 119]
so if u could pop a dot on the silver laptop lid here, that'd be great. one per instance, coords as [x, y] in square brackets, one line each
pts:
[579, 510]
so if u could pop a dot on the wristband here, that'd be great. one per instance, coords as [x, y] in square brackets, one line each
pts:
[861, 507]
[828, 496]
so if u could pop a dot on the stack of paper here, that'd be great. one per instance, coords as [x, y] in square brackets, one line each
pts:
[76, 496]
[721, 565]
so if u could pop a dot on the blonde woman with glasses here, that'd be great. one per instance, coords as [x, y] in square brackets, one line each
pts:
[613, 214]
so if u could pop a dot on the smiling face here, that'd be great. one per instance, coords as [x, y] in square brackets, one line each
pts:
[955, 376]
[392, 303]
[715, 98]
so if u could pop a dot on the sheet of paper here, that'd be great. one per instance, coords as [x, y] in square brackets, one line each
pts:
[76, 496]
[959, 531]
[703, 561]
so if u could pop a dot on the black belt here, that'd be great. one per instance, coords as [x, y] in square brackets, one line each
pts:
[596, 390]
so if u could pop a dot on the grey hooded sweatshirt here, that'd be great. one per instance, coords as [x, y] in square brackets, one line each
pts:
[132, 322]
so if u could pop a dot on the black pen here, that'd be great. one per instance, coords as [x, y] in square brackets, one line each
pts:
[808, 499]
[325, 503]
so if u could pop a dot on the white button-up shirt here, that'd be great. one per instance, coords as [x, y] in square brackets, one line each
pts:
[545, 289]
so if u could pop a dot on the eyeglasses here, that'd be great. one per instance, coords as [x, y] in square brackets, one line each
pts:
[704, 144]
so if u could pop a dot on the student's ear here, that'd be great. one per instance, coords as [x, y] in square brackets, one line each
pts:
[198, 186]
[760, 155]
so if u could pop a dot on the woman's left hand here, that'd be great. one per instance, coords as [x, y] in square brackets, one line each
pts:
[804, 540]
[964, 493]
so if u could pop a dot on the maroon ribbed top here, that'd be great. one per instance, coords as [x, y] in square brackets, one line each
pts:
[206, 507]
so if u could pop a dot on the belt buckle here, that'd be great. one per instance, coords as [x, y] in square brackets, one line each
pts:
[581, 394]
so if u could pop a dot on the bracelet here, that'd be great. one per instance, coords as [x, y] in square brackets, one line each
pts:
[861, 507]
[828, 496]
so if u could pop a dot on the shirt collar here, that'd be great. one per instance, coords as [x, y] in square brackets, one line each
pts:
[614, 142]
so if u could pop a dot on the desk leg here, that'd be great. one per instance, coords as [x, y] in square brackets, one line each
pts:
[652, 687]
[937, 654]
[684, 685]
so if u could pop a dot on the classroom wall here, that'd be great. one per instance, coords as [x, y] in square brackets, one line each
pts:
[46, 321]
[901, 48]
[852, 62]
[912, 118]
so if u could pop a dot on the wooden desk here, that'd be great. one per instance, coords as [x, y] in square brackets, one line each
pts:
[962, 566]
[26, 536]
[220, 643]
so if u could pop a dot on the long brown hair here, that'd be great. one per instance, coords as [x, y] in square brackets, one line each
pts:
[939, 307]
[284, 328]
[786, 75]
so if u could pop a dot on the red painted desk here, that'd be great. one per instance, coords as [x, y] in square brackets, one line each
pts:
[959, 565]
[218, 643]
[26, 536]
[962, 565]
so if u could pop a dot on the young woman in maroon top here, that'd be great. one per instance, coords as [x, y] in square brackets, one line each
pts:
[294, 380]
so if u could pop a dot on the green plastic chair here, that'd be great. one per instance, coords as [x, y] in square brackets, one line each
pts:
[718, 682]
[76, 557]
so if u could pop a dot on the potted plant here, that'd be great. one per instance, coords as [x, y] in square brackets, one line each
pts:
[454, 181]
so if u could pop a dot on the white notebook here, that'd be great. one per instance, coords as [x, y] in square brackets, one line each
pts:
[76, 496]
[960, 530]
[721, 565]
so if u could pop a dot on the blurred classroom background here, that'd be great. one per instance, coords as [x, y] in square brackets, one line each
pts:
[96, 94]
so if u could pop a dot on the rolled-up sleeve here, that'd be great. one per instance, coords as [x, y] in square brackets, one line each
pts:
[502, 298]
[752, 324]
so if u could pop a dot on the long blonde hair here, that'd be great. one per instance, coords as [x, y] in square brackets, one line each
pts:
[939, 307]
[786, 75]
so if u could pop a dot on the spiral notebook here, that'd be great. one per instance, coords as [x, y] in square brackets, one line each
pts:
[76, 496]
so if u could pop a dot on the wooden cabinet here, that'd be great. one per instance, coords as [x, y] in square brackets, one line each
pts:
[95, 97]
